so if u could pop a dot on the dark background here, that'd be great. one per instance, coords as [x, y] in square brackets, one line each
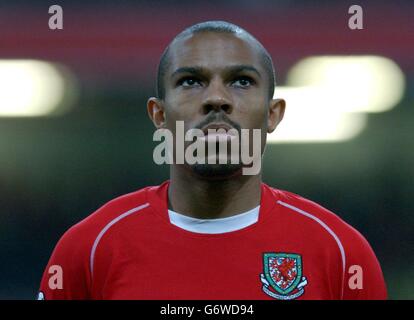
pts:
[54, 171]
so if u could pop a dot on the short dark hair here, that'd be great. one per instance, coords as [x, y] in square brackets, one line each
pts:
[216, 27]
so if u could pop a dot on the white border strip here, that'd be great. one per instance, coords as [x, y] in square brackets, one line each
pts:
[110, 224]
[341, 248]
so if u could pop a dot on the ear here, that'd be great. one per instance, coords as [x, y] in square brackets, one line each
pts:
[155, 108]
[276, 113]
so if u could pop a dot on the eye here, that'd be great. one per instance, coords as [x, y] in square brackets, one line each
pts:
[189, 82]
[243, 82]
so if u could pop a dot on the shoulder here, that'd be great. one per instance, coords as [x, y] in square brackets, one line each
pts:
[352, 244]
[75, 250]
[315, 213]
[116, 208]
[349, 240]
[81, 236]
[355, 251]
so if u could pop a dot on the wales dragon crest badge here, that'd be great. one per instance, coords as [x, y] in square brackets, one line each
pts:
[282, 276]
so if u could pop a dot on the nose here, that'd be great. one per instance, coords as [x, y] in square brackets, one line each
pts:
[216, 98]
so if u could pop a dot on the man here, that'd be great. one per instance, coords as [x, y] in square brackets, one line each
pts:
[212, 231]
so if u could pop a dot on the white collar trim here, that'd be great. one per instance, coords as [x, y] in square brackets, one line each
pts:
[214, 226]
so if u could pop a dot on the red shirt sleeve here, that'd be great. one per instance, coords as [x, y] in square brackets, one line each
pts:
[67, 274]
[363, 275]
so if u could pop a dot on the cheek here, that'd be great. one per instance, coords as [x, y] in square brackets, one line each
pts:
[183, 104]
[252, 99]
[253, 109]
[184, 96]
[181, 108]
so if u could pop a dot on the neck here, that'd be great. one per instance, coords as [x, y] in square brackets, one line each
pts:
[211, 199]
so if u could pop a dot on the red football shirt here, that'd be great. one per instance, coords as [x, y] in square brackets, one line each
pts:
[128, 249]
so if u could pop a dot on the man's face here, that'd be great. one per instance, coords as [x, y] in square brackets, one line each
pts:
[216, 78]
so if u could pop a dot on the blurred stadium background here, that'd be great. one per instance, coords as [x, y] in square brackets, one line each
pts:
[74, 132]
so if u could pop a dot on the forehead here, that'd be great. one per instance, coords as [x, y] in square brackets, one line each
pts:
[214, 51]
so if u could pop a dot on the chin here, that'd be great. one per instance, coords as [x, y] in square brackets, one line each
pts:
[217, 171]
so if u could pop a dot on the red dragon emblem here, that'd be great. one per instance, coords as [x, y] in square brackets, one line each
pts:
[284, 271]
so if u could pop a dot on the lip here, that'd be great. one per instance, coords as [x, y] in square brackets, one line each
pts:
[216, 126]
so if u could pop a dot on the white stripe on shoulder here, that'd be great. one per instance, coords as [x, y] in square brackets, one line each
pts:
[110, 224]
[323, 224]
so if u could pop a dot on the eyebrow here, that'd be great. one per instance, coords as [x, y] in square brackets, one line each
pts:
[196, 70]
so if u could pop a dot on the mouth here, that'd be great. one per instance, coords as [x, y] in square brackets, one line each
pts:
[215, 127]
[219, 133]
